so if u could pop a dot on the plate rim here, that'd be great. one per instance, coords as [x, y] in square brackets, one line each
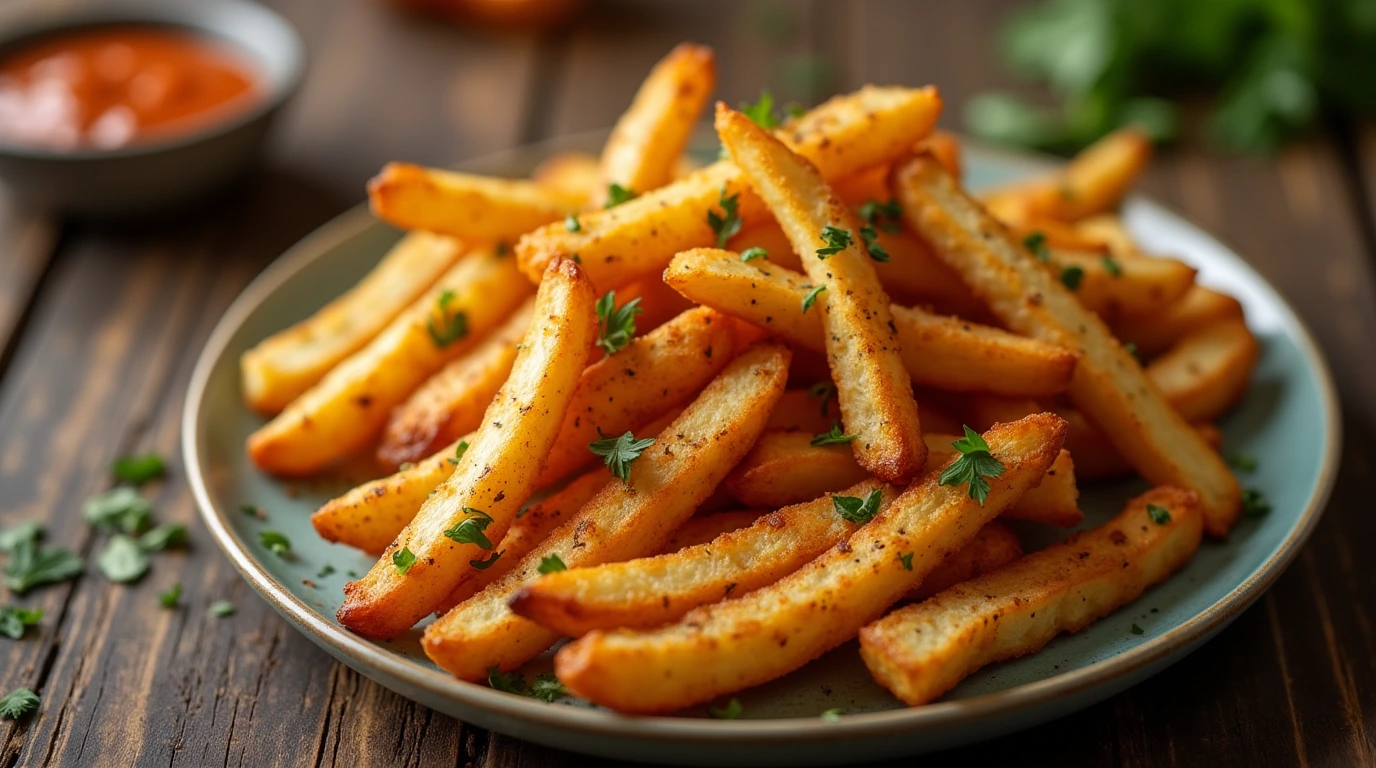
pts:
[347, 646]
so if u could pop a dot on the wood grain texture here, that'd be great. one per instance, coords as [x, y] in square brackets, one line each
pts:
[99, 330]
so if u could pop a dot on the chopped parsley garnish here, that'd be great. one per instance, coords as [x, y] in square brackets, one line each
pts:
[17, 703]
[833, 436]
[731, 711]
[552, 564]
[728, 223]
[1112, 267]
[1036, 243]
[822, 390]
[1131, 349]
[571, 223]
[164, 536]
[795, 110]
[253, 511]
[15, 620]
[18, 533]
[403, 559]
[507, 682]
[836, 240]
[122, 560]
[221, 608]
[833, 715]
[619, 452]
[491, 560]
[1158, 515]
[856, 510]
[885, 216]
[1136, 630]
[617, 194]
[137, 470]
[615, 326]
[872, 245]
[973, 466]
[1072, 276]
[547, 688]
[325, 570]
[470, 529]
[503, 248]
[275, 542]
[810, 297]
[1255, 503]
[169, 598]
[1243, 463]
[754, 253]
[762, 111]
[459, 452]
[31, 564]
[452, 325]
[120, 509]
[906, 558]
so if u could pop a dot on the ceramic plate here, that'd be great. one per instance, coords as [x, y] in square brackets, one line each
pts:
[1290, 411]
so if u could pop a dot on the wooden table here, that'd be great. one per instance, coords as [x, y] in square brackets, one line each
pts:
[99, 328]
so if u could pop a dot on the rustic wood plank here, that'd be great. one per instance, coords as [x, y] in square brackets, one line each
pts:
[30, 239]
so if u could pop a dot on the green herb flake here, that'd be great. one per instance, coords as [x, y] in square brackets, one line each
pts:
[906, 558]
[325, 570]
[1131, 349]
[974, 464]
[164, 536]
[832, 715]
[17, 703]
[571, 223]
[1112, 267]
[169, 598]
[221, 608]
[403, 559]
[507, 682]
[617, 194]
[836, 240]
[1255, 504]
[27, 531]
[1158, 515]
[459, 452]
[30, 564]
[885, 216]
[810, 297]
[253, 511]
[822, 390]
[1036, 244]
[731, 711]
[15, 620]
[858, 511]
[490, 561]
[451, 327]
[1136, 630]
[275, 542]
[552, 564]
[619, 452]
[119, 510]
[615, 326]
[137, 470]
[754, 253]
[470, 529]
[1243, 462]
[547, 688]
[762, 111]
[872, 245]
[833, 436]
[728, 222]
[1072, 276]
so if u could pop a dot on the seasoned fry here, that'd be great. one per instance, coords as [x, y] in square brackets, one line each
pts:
[922, 651]
[862, 346]
[1109, 385]
[844, 135]
[1093, 182]
[1111, 288]
[945, 147]
[450, 404]
[806, 410]
[657, 372]
[626, 519]
[740, 642]
[349, 407]
[995, 546]
[643, 150]
[463, 205]
[281, 367]
[576, 175]
[1156, 331]
[941, 352]
[1059, 235]
[493, 478]
[1208, 370]
[701, 529]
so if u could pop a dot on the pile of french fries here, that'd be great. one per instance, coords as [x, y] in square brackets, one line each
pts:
[712, 422]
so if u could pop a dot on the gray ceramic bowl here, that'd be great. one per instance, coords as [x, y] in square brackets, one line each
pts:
[157, 174]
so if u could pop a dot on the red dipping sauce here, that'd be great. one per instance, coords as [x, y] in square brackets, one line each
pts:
[109, 87]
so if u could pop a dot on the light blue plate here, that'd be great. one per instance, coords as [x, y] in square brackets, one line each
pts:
[1289, 419]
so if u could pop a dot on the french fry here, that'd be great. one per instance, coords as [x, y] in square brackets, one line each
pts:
[626, 519]
[945, 147]
[281, 367]
[922, 651]
[637, 238]
[872, 184]
[1108, 386]
[464, 205]
[995, 546]
[1111, 288]
[940, 352]
[1059, 235]
[1093, 182]
[740, 642]
[1056, 501]
[651, 376]
[806, 410]
[1156, 331]
[348, 408]
[575, 175]
[451, 533]
[658, 302]
[700, 529]
[1108, 228]
[450, 404]
[862, 346]
[643, 149]
[1206, 373]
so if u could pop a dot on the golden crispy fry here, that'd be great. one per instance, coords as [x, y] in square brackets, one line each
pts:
[643, 150]
[1093, 182]
[1113, 287]
[1207, 371]
[995, 546]
[717, 649]
[862, 344]
[463, 205]
[624, 520]
[347, 409]
[1108, 229]
[1109, 385]
[281, 367]
[657, 372]
[940, 352]
[922, 651]
[846, 134]
[1158, 330]
[576, 175]
[450, 404]
[806, 410]
[945, 147]
[494, 477]
[700, 529]
[659, 303]
[1059, 235]
[1056, 501]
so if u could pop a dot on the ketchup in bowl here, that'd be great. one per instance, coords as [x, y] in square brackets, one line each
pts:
[112, 86]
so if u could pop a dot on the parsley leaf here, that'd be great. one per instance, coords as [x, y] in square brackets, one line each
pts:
[17, 703]
[31, 564]
[1254, 503]
[452, 325]
[459, 452]
[1243, 463]
[325, 570]
[973, 466]
[403, 559]
[221, 608]
[810, 297]
[163, 537]
[571, 223]
[120, 509]
[754, 253]
[836, 240]
[833, 436]
[906, 558]
[1131, 349]
[138, 470]
[1036, 243]
[470, 529]
[833, 715]
[795, 110]
[547, 688]
[253, 511]
[823, 390]
[858, 511]
[275, 543]
[1158, 515]
[1072, 276]
[872, 245]
[11, 537]
[762, 111]
[122, 560]
[14, 620]
[169, 598]
[728, 223]
[1136, 630]
[552, 564]
[483, 565]
[1112, 267]
[617, 194]
[508, 682]
[615, 327]
[731, 711]
[619, 452]
[885, 216]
